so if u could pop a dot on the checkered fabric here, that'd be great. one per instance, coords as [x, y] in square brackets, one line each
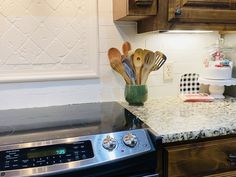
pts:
[189, 83]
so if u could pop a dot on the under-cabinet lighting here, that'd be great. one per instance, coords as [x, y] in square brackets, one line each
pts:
[187, 31]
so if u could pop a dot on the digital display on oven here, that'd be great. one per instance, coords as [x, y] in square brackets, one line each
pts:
[45, 155]
[46, 152]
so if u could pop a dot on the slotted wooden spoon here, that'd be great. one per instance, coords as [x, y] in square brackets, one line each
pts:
[138, 60]
[114, 56]
[149, 61]
[152, 62]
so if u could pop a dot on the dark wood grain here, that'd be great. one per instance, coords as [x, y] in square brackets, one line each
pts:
[218, 11]
[226, 174]
[195, 15]
[129, 10]
[199, 159]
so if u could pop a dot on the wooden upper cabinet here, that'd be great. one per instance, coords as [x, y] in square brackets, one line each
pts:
[133, 10]
[163, 15]
[209, 11]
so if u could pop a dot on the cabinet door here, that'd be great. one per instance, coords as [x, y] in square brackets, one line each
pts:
[202, 159]
[208, 11]
[133, 10]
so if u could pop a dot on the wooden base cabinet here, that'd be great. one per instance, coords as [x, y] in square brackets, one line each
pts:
[226, 174]
[216, 158]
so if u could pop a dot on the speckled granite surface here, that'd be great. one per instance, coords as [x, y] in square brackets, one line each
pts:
[176, 120]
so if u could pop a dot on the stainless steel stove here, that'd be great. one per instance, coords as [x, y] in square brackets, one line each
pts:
[93, 139]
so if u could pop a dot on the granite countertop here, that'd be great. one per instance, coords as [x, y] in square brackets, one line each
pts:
[176, 120]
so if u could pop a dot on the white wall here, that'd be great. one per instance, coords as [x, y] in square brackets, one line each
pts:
[47, 39]
[186, 51]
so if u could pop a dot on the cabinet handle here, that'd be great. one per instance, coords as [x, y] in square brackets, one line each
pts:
[143, 2]
[232, 159]
[178, 11]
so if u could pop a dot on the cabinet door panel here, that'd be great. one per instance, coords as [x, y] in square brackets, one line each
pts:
[209, 3]
[221, 11]
[144, 7]
[134, 10]
[199, 159]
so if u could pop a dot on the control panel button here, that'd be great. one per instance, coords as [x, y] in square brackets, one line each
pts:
[130, 140]
[109, 143]
[25, 166]
[24, 161]
[84, 156]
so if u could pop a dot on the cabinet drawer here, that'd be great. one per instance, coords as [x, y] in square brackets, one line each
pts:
[226, 174]
[133, 10]
[199, 159]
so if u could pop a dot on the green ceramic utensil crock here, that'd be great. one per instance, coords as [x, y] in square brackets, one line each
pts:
[136, 94]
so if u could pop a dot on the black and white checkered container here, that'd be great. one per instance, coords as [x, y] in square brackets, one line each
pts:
[189, 83]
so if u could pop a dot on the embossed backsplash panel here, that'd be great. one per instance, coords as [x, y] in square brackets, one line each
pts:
[48, 39]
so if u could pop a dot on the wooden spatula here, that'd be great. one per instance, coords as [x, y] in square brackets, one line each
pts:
[138, 60]
[114, 56]
[160, 59]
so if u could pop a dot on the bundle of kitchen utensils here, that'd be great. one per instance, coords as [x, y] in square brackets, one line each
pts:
[135, 68]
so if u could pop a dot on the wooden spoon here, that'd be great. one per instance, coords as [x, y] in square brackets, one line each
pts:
[138, 60]
[149, 61]
[126, 47]
[114, 56]
[145, 52]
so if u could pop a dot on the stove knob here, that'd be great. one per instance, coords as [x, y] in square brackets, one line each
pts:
[130, 140]
[109, 143]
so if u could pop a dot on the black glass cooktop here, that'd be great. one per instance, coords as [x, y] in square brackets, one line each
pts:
[65, 121]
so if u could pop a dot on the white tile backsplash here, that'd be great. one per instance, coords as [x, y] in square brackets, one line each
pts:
[42, 37]
[58, 33]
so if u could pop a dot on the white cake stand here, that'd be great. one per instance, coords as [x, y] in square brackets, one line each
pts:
[217, 87]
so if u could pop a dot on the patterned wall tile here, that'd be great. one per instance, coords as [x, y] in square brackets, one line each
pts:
[43, 59]
[40, 9]
[57, 50]
[13, 38]
[68, 36]
[42, 37]
[54, 3]
[5, 25]
[29, 51]
[48, 36]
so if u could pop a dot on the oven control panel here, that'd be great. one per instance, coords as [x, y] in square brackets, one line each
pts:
[45, 155]
[61, 155]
